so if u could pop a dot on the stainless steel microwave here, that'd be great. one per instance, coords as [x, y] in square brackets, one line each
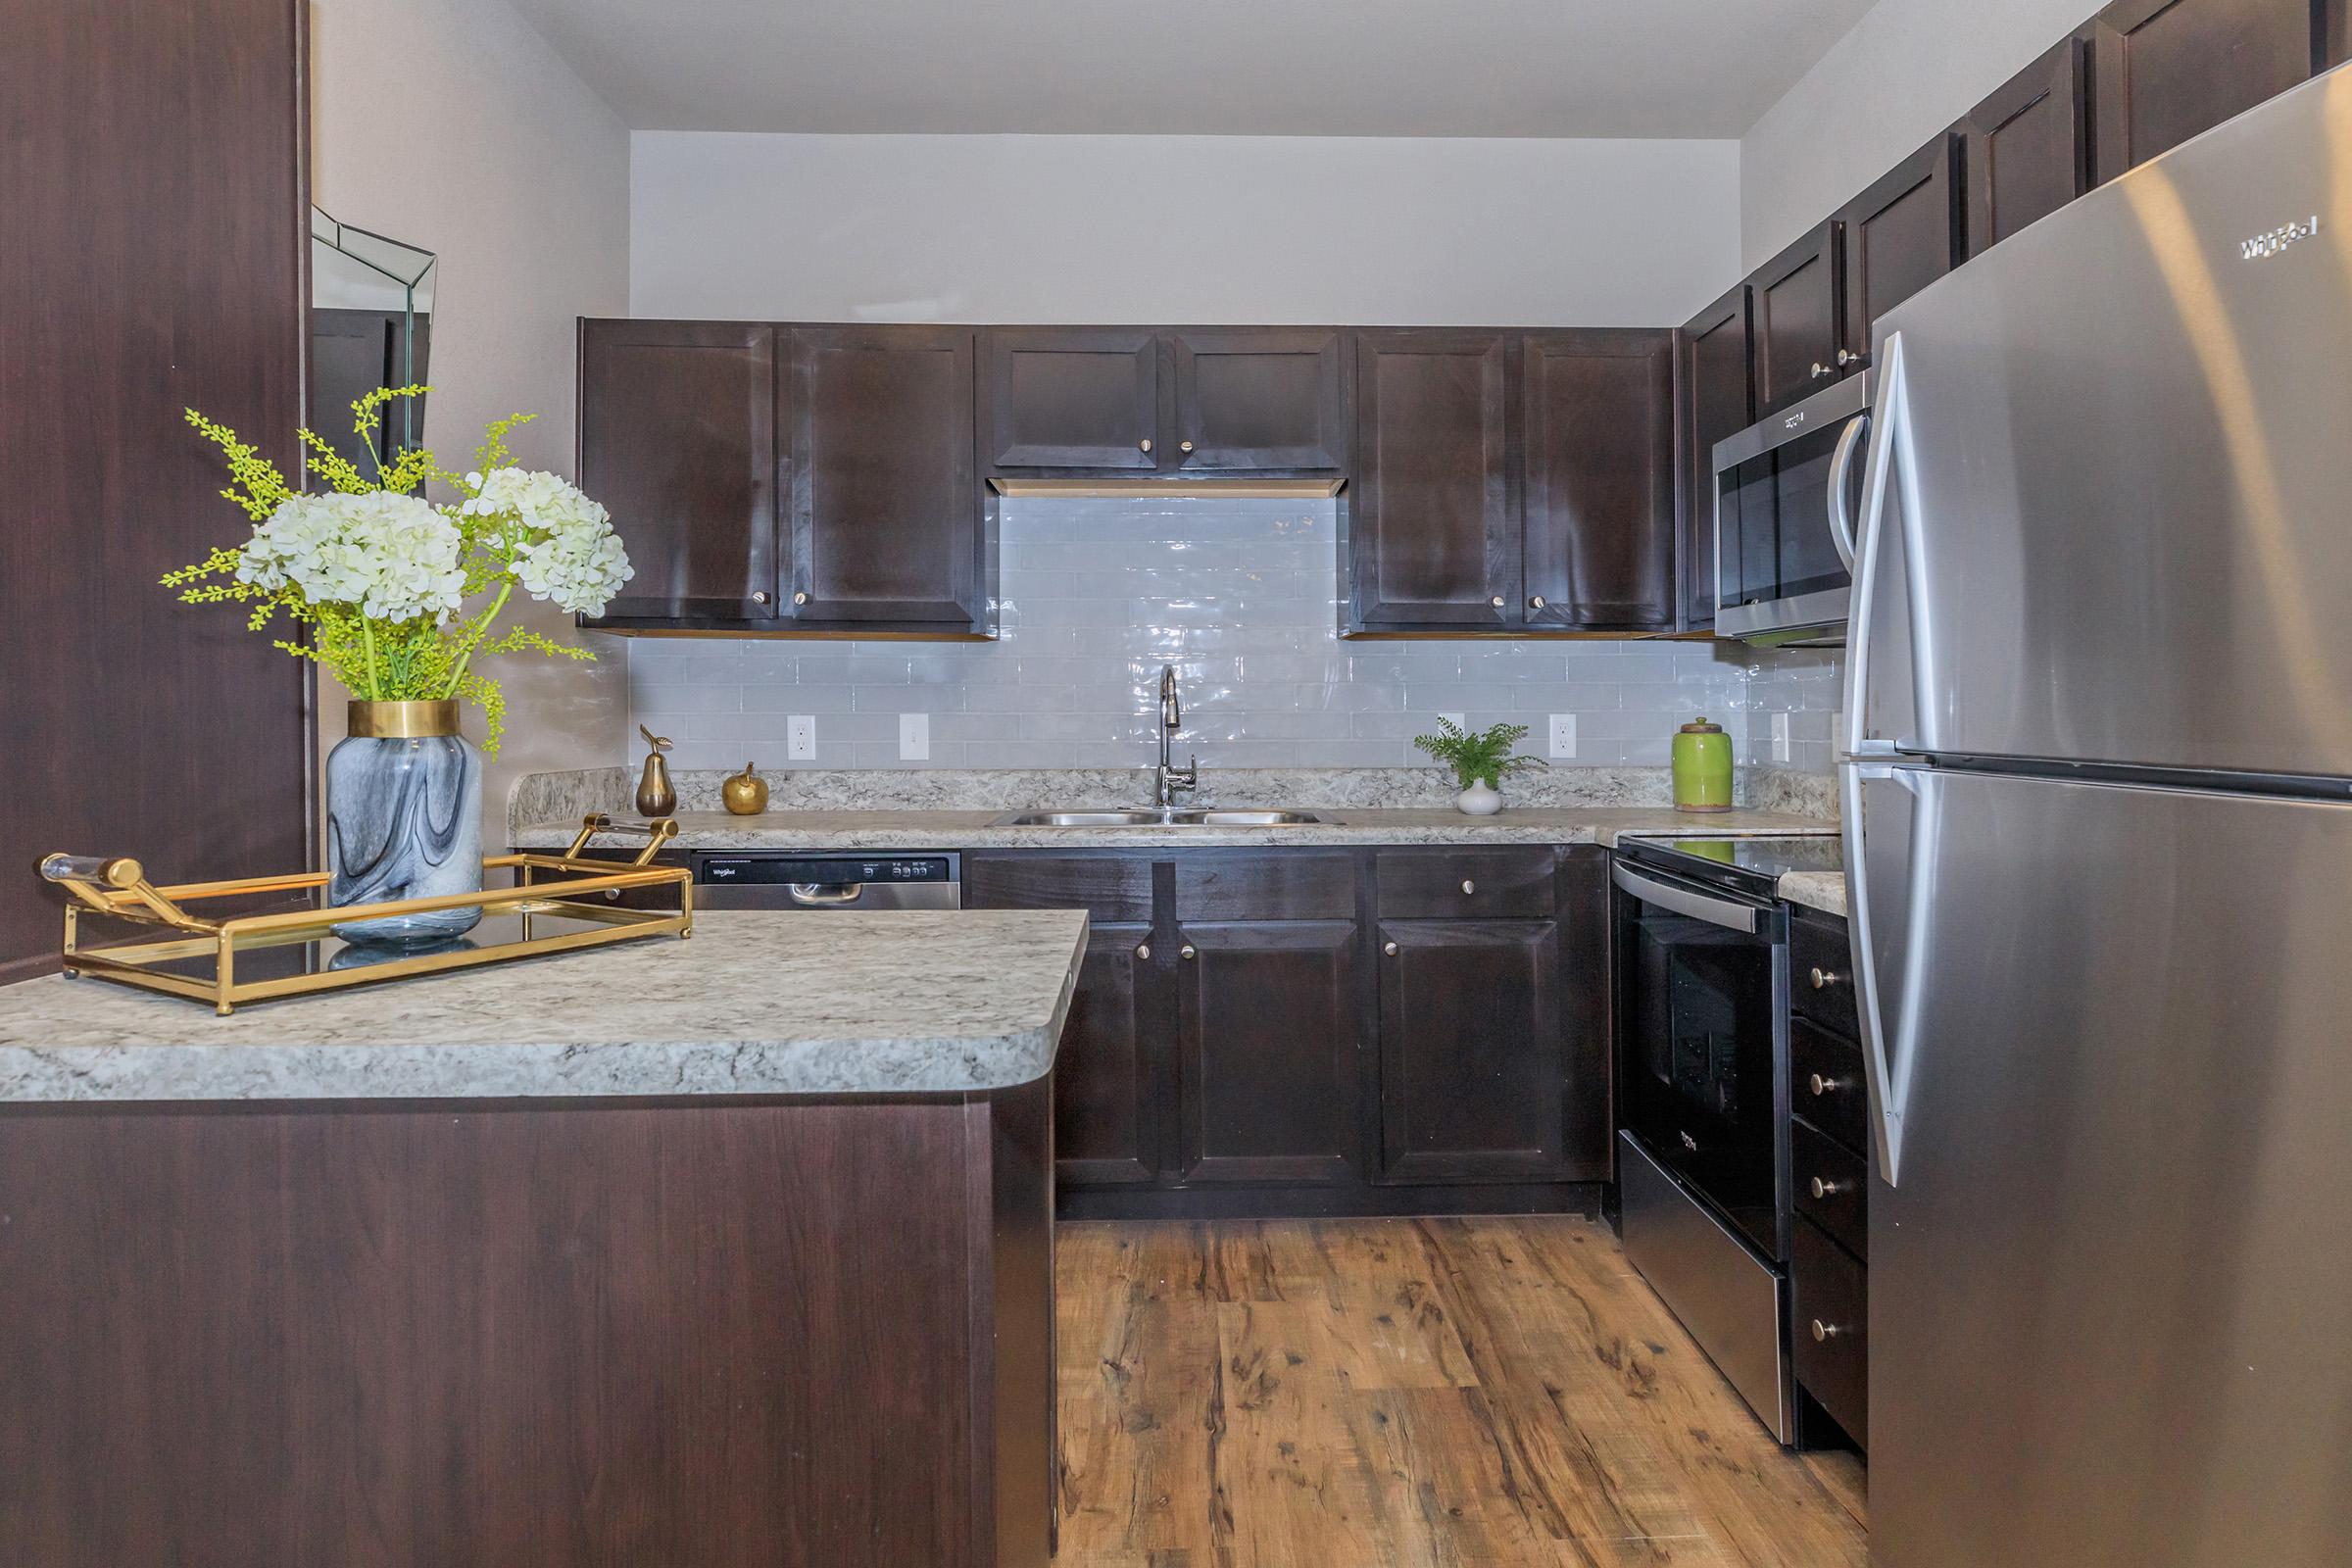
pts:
[1785, 503]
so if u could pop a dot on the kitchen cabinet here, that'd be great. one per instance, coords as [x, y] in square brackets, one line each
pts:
[1829, 1176]
[1902, 234]
[885, 514]
[1800, 322]
[2026, 147]
[1433, 525]
[1071, 398]
[1257, 400]
[1242, 1041]
[2162, 71]
[1598, 528]
[1715, 399]
[677, 439]
[1132, 402]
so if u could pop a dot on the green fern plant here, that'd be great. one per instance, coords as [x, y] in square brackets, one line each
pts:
[1476, 754]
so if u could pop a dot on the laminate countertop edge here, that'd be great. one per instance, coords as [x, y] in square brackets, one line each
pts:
[891, 1003]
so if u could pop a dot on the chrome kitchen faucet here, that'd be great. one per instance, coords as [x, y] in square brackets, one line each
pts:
[1167, 780]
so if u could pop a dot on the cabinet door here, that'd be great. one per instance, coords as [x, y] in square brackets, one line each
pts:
[2162, 70]
[1473, 1068]
[1260, 400]
[677, 440]
[886, 514]
[1071, 397]
[1596, 532]
[1902, 234]
[1715, 399]
[1110, 1080]
[1800, 318]
[1268, 1050]
[1433, 524]
[2027, 148]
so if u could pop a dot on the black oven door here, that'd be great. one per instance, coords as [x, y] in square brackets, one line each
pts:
[1700, 1057]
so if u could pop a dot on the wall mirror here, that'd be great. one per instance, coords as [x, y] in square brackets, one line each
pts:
[372, 325]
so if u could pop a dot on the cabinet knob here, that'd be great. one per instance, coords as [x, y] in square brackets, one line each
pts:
[1144, 444]
[1536, 602]
[1823, 979]
[1388, 948]
[1469, 886]
[1187, 951]
[800, 598]
[1142, 949]
[1822, 1086]
[1819, 369]
[1821, 1189]
[1184, 446]
[759, 597]
[1822, 1333]
[1847, 357]
[1498, 601]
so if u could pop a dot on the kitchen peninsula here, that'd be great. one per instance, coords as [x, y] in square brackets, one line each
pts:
[730, 1250]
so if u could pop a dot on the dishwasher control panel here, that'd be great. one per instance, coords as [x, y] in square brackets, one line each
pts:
[825, 870]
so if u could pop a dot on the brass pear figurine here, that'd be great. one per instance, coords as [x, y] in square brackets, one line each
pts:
[744, 793]
[656, 795]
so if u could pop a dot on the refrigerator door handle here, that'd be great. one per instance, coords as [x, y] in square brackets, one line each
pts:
[1890, 418]
[1882, 1002]
[1842, 468]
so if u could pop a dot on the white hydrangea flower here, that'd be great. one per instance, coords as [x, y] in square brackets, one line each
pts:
[573, 558]
[394, 556]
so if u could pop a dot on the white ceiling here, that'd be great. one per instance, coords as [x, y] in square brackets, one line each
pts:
[1317, 68]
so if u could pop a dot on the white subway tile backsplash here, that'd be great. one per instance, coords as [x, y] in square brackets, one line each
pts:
[1238, 595]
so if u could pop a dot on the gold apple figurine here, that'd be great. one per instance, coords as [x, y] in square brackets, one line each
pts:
[744, 793]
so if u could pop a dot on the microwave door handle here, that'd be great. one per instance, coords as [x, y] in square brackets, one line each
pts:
[1842, 464]
[1685, 901]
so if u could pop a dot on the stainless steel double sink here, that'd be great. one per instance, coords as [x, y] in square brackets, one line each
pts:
[1151, 817]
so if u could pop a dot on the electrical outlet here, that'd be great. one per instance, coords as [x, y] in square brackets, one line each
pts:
[1563, 735]
[1779, 737]
[914, 737]
[800, 738]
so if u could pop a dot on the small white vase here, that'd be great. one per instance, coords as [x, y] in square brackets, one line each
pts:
[1480, 799]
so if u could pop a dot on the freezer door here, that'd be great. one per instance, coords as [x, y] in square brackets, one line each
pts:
[2119, 458]
[2108, 1289]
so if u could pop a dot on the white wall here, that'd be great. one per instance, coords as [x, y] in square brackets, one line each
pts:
[1239, 229]
[452, 126]
[1908, 70]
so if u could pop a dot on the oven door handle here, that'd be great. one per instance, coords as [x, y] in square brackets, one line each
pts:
[1732, 917]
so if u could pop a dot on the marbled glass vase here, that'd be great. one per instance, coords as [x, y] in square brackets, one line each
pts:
[404, 820]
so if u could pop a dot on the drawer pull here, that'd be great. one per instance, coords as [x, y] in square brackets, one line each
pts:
[1823, 979]
[1821, 1189]
[1144, 445]
[1824, 1333]
[1390, 950]
[1142, 949]
[1469, 886]
[1187, 951]
[1823, 1086]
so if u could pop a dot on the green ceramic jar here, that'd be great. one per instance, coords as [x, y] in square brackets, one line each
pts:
[1702, 768]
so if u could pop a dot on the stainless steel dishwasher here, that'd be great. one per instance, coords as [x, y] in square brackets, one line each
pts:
[784, 880]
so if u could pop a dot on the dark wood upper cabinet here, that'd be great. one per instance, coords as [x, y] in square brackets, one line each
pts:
[1474, 1076]
[1598, 510]
[1901, 235]
[2025, 150]
[2162, 71]
[1433, 524]
[885, 518]
[677, 439]
[1715, 399]
[1070, 397]
[1258, 400]
[1269, 1037]
[1799, 320]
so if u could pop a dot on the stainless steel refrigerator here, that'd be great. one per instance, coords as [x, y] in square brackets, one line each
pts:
[2099, 816]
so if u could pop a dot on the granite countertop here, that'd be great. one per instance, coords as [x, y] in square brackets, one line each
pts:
[1816, 890]
[884, 829]
[753, 1004]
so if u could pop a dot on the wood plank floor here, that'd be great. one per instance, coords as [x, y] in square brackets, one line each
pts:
[1389, 1393]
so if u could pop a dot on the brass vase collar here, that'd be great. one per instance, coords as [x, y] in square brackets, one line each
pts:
[403, 720]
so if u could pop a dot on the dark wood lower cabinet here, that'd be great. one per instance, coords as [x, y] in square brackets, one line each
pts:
[1267, 1053]
[1242, 1044]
